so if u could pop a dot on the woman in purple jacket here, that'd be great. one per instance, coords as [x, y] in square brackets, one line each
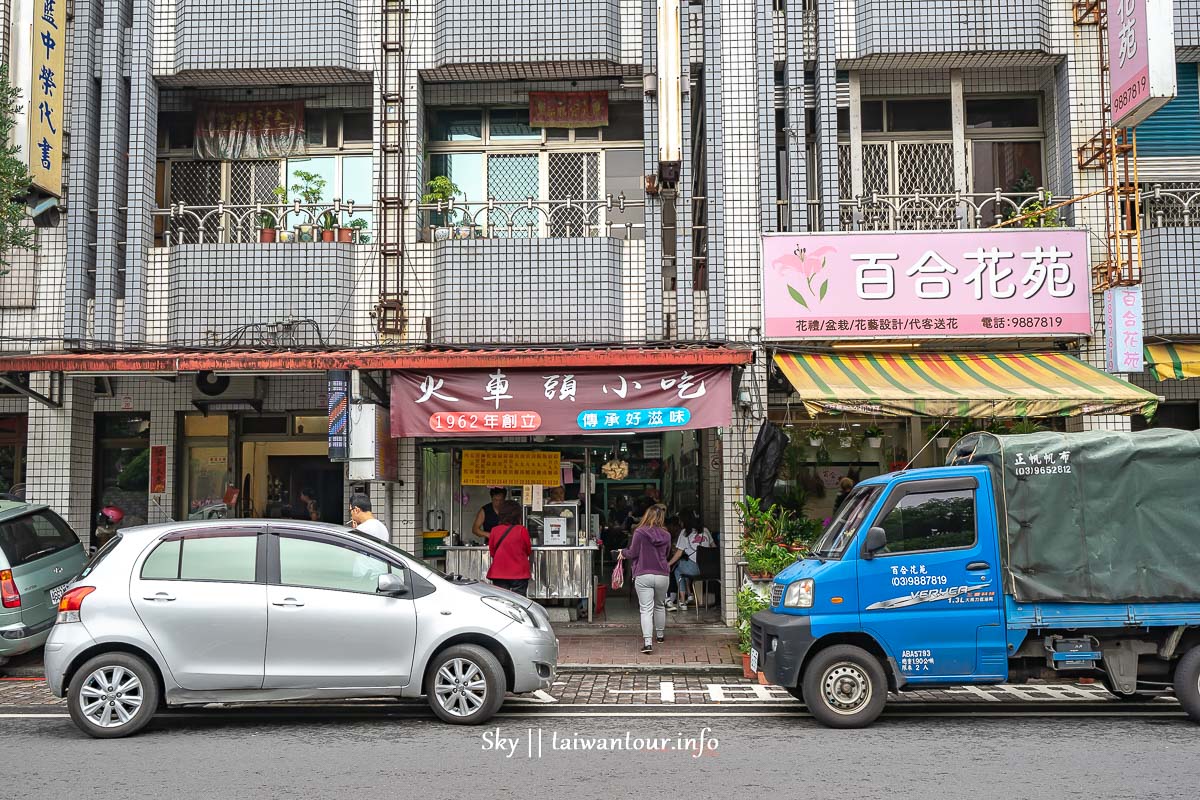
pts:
[649, 551]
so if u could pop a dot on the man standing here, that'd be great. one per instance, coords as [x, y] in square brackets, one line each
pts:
[364, 521]
[488, 517]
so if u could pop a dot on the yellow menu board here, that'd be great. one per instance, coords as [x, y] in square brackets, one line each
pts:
[46, 99]
[511, 468]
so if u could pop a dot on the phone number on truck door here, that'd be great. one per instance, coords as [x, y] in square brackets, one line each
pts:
[919, 580]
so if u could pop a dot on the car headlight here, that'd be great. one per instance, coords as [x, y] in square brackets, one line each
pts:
[799, 594]
[510, 609]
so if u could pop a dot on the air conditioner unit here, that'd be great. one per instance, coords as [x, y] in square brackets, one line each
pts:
[228, 392]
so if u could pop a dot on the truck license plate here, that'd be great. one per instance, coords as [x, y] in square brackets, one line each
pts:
[57, 592]
[753, 660]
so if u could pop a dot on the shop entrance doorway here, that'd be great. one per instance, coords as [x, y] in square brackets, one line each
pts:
[292, 477]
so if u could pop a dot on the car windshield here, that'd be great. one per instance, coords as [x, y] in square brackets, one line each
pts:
[846, 522]
[34, 536]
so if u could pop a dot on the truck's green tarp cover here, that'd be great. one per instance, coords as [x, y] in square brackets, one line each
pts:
[1098, 517]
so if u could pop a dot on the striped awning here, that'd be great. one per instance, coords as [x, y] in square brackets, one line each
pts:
[959, 385]
[1173, 361]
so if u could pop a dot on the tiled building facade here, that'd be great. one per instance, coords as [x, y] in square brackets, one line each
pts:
[804, 115]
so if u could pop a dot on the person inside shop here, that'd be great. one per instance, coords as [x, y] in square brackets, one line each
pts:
[844, 487]
[649, 552]
[489, 516]
[510, 547]
[685, 560]
[364, 521]
[309, 509]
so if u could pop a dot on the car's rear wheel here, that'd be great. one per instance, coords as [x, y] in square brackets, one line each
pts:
[465, 684]
[112, 695]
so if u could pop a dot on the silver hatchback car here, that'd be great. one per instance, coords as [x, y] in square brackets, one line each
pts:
[237, 611]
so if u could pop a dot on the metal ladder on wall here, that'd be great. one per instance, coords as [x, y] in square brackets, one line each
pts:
[390, 317]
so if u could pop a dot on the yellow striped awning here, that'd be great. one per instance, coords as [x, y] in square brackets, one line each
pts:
[1173, 361]
[959, 385]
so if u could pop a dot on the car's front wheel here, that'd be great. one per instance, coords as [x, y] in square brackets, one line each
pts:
[112, 695]
[465, 684]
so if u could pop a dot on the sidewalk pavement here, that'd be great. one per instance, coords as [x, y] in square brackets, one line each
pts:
[710, 649]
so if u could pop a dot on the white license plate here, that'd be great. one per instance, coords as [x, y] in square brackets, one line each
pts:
[57, 592]
[753, 660]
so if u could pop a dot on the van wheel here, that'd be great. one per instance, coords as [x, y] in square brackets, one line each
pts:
[845, 687]
[1187, 683]
[112, 695]
[465, 684]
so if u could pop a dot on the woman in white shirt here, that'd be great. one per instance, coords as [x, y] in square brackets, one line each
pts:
[684, 560]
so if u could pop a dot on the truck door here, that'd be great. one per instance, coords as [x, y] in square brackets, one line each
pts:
[932, 593]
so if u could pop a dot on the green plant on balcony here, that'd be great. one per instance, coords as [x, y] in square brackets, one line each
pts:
[440, 190]
[328, 224]
[359, 226]
[268, 221]
[310, 188]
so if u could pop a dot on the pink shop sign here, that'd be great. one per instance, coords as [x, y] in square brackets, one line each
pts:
[1141, 58]
[927, 284]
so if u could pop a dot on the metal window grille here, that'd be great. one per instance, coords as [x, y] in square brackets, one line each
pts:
[574, 177]
[513, 177]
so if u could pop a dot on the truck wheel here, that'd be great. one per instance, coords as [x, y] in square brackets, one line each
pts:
[1187, 683]
[845, 687]
[465, 684]
[112, 695]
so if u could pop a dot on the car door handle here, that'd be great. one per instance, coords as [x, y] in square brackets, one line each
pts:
[289, 602]
[159, 596]
[976, 566]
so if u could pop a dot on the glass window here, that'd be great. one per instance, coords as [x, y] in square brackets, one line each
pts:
[210, 425]
[219, 558]
[180, 128]
[624, 122]
[265, 425]
[918, 115]
[846, 522]
[931, 521]
[356, 126]
[323, 167]
[464, 169]
[1002, 112]
[314, 126]
[358, 185]
[446, 125]
[872, 116]
[587, 133]
[321, 565]
[623, 173]
[163, 563]
[511, 123]
[310, 425]
[1009, 166]
[207, 476]
[32, 537]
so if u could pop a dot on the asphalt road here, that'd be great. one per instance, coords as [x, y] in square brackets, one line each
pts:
[372, 752]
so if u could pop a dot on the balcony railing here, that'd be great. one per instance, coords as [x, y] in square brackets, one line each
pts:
[893, 212]
[238, 224]
[1173, 205]
[529, 218]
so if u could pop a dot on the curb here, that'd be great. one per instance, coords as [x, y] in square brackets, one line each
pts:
[656, 669]
[22, 672]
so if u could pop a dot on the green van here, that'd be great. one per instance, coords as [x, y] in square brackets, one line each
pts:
[39, 557]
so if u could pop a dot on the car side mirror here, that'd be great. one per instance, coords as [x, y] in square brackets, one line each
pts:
[391, 583]
[876, 541]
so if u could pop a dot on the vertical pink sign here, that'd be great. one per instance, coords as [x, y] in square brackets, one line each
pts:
[1141, 58]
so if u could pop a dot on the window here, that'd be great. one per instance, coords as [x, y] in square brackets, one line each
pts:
[219, 558]
[163, 563]
[356, 126]
[624, 122]
[35, 536]
[122, 466]
[941, 520]
[918, 115]
[1002, 112]
[321, 565]
[846, 522]
[510, 123]
[452, 125]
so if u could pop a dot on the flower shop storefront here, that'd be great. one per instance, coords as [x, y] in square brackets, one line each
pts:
[582, 450]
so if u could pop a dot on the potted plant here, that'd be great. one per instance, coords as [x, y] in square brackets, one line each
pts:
[310, 187]
[873, 435]
[749, 602]
[267, 221]
[358, 228]
[440, 190]
[1026, 426]
[328, 227]
[816, 437]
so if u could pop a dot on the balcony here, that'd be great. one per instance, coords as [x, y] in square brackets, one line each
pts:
[301, 42]
[933, 211]
[217, 283]
[502, 39]
[1187, 30]
[612, 217]
[1170, 253]
[526, 291]
[949, 33]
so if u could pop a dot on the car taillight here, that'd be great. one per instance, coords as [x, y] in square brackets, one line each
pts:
[9, 595]
[72, 601]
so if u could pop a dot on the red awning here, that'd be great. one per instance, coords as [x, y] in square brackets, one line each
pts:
[259, 361]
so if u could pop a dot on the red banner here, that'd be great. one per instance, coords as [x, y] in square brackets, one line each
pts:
[568, 109]
[249, 130]
[522, 402]
[158, 469]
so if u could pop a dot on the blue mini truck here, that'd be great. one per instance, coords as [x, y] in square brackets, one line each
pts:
[1039, 556]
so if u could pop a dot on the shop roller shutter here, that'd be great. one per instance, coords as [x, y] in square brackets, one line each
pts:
[1174, 130]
